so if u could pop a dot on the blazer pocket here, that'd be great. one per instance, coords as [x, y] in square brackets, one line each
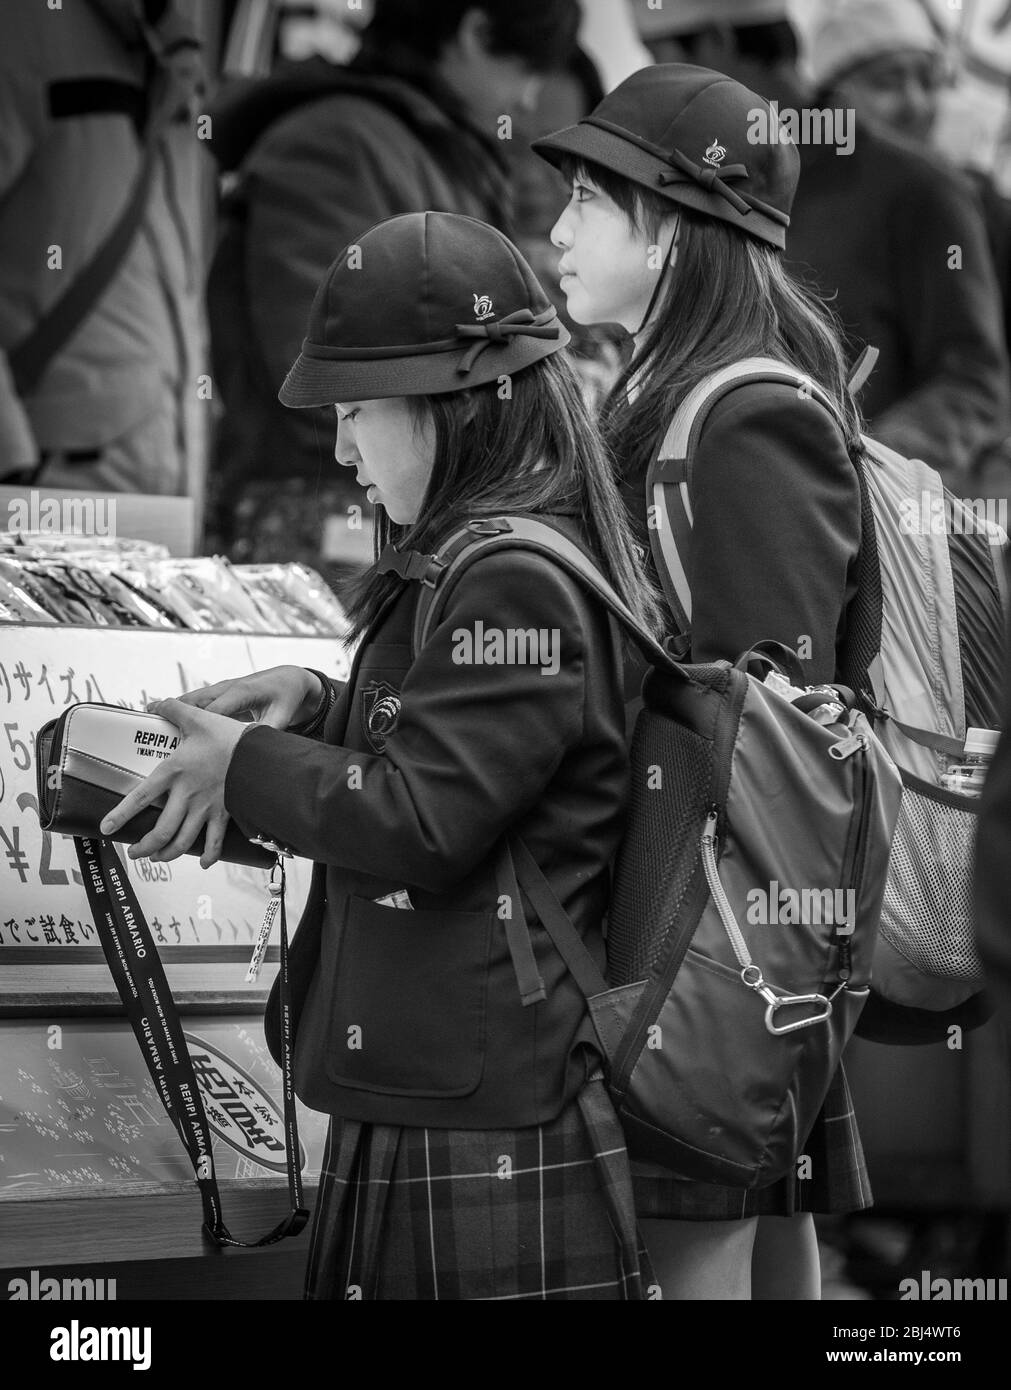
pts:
[410, 989]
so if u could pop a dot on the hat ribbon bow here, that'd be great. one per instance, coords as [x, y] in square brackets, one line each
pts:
[522, 323]
[708, 177]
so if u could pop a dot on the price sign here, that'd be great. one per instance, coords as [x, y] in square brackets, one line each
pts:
[43, 670]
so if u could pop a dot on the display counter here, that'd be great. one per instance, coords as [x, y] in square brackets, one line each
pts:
[94, 1181]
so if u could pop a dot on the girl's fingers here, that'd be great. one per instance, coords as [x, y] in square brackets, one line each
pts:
[276, 717]
[150, 790]
[231, 702]
[182, 839]
[202, 697]
[164, 831]
[214, 841]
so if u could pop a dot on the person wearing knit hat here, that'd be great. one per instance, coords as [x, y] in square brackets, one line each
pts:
[434, 1023]
[705, 31]
[675, 230]
[886, 61]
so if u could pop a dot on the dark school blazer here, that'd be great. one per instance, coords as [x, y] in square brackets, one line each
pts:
[413, 1017]
[776, 535]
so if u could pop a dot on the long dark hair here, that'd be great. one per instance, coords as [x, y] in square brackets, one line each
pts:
[536, 452]
[729, 297]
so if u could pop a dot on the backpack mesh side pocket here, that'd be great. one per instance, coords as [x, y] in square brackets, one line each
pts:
[927, 916]
[657, 862]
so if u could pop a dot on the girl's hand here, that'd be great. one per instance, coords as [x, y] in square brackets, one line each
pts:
[279, 697]
[193, 777]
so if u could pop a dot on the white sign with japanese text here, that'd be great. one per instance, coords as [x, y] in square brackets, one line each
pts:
[45, 669]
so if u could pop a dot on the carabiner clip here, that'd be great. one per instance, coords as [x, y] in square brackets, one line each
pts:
[752, 977]
[778, 1003]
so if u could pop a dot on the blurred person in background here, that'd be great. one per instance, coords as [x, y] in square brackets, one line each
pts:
[101, 316]
[419, 120]
[873, 228]
[889, 64]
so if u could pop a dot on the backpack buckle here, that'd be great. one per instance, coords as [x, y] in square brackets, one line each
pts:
[411, 564]
[433, 572]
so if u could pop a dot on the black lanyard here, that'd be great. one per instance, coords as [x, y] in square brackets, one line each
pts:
[140, 979]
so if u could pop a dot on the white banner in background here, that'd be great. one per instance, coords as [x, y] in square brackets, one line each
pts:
[45, 669]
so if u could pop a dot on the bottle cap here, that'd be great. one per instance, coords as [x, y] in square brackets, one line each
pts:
[982, 742]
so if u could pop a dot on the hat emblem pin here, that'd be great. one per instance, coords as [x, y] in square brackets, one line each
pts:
[483, 307]
[715, 154]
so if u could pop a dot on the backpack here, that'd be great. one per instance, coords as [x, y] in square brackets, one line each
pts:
[720, 1043]
[923, 651]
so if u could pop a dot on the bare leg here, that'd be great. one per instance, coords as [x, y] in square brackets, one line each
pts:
[784, 1262]
[696, 1260]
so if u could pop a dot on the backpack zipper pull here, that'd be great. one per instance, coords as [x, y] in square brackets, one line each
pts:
[846, 747]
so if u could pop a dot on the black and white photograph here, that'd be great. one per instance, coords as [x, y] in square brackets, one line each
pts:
[505, 656]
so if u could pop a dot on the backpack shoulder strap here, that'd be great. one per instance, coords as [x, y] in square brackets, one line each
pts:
[438, 574]
[515, 867]
[669, 478]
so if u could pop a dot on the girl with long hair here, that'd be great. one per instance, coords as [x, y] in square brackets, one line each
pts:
[473, 1152]
[675, 229]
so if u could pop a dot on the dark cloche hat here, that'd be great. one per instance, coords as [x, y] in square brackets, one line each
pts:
[420, 305]
[694, 136]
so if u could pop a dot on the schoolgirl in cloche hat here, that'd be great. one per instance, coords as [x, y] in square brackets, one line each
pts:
[410, 309]
[675, 229]
[473, 1152]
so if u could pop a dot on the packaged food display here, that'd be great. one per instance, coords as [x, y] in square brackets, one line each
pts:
[113, 582]
[48, 544]
[17, 603]
[295, 595]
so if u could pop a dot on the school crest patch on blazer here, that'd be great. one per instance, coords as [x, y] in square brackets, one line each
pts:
[380, 713]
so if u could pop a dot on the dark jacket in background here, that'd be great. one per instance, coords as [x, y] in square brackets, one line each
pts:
[874, 231]
[380, 144]
[474, 750]
[118, 407]
[996, 210]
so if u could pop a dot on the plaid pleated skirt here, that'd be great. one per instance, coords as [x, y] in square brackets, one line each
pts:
[533, 1214]
[834, 1180]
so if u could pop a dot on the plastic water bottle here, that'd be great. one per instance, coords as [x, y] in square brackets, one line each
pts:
[967, 777]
